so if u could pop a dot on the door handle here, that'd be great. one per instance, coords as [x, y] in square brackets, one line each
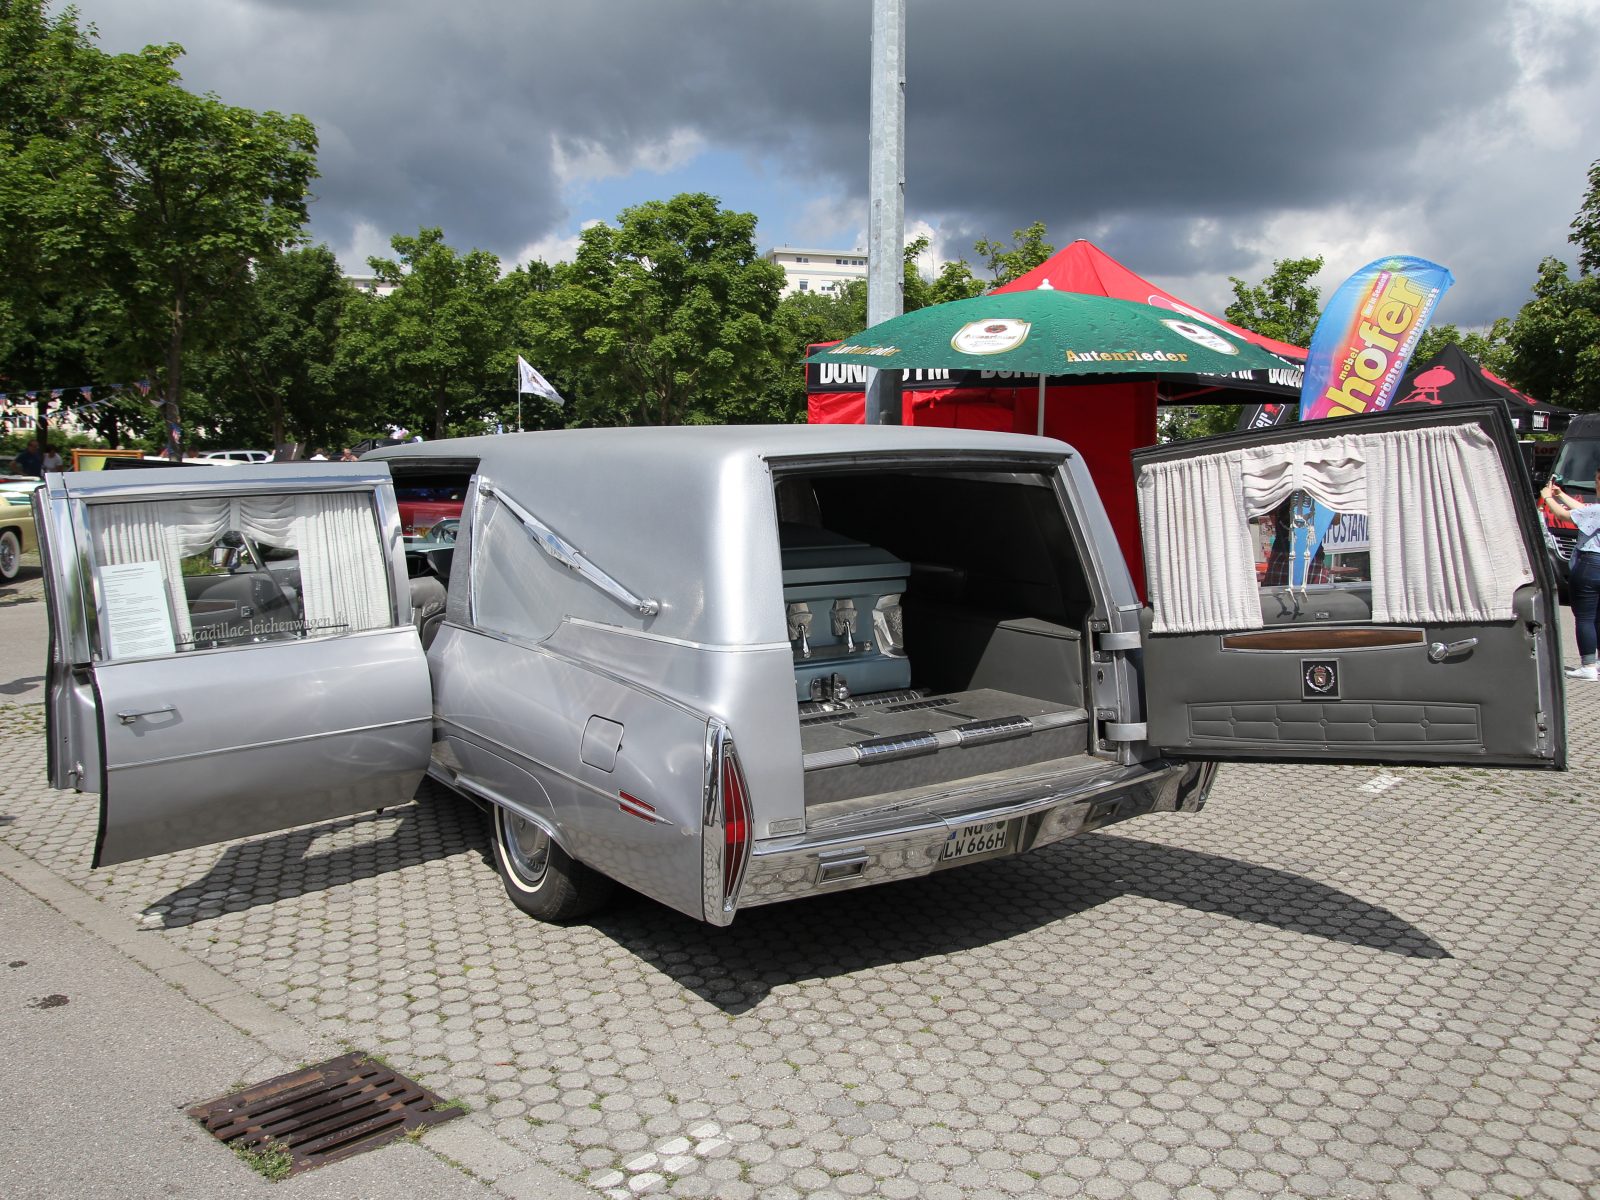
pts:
[129, 716]
[1439, 651]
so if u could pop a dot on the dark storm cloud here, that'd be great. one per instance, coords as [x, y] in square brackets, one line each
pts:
[1175, 133]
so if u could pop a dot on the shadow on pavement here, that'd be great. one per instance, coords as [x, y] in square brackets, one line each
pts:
[956, 910]
[438, 824]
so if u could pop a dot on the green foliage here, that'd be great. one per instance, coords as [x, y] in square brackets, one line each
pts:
[802, 319]
[119, 186]
[1284, 306]
[1555, 341]
[1176, 422]
[1006, 263]
[273, 1160]
[440, 343]
[286, 373]
[1586, 225]
[1488, 348]
[667, 317]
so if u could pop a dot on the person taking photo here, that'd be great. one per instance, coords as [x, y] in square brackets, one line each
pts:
[1584, 579]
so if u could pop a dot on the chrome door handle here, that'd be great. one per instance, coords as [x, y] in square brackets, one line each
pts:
[1439, 651]
[129, 716]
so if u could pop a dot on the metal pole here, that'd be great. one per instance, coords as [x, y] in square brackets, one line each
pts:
[886, 196]
[1041, 405]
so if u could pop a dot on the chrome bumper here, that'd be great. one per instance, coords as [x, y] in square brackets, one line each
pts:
[903, 842]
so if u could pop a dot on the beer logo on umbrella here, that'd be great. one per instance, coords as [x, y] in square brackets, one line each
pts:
[994, 336]
[1202, 336]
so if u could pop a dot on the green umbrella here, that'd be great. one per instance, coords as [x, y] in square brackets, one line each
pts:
[1051, 333]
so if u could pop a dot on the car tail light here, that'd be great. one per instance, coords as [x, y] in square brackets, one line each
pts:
[729, 821]
[736, 822]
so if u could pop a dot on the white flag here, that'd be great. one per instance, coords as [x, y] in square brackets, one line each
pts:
[529, 380]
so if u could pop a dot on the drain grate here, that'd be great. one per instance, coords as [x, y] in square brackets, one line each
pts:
[324, 1113]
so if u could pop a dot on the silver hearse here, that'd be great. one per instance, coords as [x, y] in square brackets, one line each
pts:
[734, 665]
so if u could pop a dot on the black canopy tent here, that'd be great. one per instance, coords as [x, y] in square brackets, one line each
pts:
[1452, 376]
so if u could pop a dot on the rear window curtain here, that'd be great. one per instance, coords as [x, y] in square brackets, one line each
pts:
[344, 573]
[1445, 542]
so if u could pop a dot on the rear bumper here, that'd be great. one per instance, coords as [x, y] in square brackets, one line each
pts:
[1053, 802]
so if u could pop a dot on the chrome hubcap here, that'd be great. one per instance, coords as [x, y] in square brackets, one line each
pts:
[527, 848]
[8, 556]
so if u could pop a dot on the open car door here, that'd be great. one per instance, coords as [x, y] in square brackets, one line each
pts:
[231, 650]
[1421, 630]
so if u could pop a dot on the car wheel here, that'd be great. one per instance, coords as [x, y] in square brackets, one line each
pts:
[10, 555]
[541, 878]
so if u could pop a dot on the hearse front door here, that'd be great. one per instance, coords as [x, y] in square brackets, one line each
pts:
[231, 650]
[1421, 628]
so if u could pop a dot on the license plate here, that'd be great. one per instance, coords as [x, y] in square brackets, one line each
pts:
[976, 839]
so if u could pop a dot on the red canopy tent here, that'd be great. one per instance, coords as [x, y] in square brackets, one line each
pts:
[1104, 417]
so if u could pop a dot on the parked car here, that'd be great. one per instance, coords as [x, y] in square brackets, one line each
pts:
[731, 666]
[243, 456]
[16, 523]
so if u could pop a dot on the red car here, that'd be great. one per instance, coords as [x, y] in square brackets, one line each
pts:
[421, 508]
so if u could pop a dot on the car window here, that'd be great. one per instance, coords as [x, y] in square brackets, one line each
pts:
[1333, 584]
[201, 573]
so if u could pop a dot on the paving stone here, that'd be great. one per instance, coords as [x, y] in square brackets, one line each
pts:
[1310, 988]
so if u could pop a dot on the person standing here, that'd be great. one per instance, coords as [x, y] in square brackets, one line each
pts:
[1583, 582]
[30, 461]
[51, 460]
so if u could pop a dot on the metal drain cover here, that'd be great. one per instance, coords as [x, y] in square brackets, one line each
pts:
[321, 1114]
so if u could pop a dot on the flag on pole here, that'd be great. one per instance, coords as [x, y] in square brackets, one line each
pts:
[529, 380]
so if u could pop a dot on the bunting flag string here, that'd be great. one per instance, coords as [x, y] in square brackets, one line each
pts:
[12, 399]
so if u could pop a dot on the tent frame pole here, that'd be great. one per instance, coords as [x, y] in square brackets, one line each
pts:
[1041, 405]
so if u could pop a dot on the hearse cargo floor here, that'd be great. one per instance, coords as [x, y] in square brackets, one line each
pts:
[1062, 730]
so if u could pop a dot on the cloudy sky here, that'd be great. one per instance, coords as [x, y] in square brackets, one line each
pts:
[1192, 141]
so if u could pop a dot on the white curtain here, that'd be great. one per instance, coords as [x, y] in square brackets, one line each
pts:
[1200, 565]
[1445, 542]
[344, 572]
[1333, 470]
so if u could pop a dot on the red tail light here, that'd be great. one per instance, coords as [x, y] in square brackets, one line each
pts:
[736, 822]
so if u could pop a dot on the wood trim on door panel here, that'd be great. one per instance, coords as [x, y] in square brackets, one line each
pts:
[1323, 639]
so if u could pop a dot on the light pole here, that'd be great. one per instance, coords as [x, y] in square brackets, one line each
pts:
[886, 196]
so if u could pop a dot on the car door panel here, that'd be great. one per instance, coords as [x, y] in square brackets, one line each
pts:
[244, 741]
[1320, 681]
[1392, 700]
[202, 745]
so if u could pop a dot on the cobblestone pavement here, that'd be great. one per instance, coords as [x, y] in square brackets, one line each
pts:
[1333, 981]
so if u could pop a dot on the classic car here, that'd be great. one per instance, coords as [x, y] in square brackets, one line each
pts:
[16, 523]
[729, 666]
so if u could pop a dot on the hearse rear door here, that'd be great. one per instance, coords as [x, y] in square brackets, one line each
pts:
[1424, 631]
[231, 650]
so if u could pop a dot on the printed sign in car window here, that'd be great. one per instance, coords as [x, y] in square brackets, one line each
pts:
[139, 623]
[237, 571]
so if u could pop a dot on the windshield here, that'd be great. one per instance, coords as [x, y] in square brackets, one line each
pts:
[1578, 463]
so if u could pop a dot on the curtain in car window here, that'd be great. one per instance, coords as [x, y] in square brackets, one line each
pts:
[1200, 566]
[344, 572]
[1445, 541]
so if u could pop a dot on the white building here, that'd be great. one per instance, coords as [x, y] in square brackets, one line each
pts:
[369, 283]
[823, 271]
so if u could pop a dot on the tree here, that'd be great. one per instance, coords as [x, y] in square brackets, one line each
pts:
[285, 373]
[1586, 225]
[1284, 306]
[665, 314]
[1007, 263]
[1555, 341]
[1489, 348]
[441, 340]
[153, 198]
